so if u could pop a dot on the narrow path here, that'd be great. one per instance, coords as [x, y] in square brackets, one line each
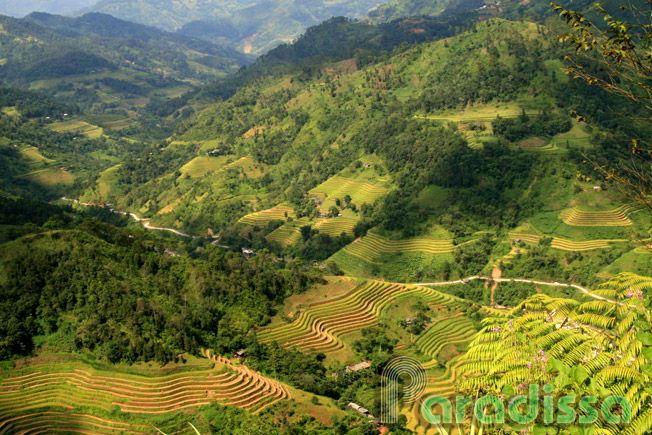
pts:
[531, 281]
[495, 275]
[145, 221]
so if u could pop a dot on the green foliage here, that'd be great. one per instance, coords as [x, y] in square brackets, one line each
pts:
[375, 344]
[604, 353]
[147, 307]
[473, 257]
[522, 127]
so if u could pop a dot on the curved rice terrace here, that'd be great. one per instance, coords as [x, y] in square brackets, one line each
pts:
[320, 327]
[289, 233]
[335, 226]
[453, 330]
[39, 393]
[618, 217]
[443, 385]
[568, 245]
[374, 245]
[201, 165]
[360, 192]
[263, 217]
[71, 423]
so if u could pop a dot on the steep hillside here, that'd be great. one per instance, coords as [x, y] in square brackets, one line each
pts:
[122, 73]
[434, 147]
[510, 9]
[413, 8]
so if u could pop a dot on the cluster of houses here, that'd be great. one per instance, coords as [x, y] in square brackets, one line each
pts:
[365, 412]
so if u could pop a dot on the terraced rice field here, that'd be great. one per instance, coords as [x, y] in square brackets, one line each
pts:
[28, 399]
[442, 385]
[49, 177]
[336, 226]
[262, 218]
[618, 217]
[248, 166]
[199, 166]
[547, 148]
[453, 330]
[373, 245]
[288, 233]
[77, 127]
[320, 327]
[70, 423]
[33, 155]
[568, 245]
[358, 191]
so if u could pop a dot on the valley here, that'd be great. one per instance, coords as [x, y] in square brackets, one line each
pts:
[197, 241]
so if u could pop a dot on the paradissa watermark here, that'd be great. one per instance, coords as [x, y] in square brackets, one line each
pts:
[524, 410]
[490, 409]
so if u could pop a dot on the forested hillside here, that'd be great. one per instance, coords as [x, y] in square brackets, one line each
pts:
[187, 246]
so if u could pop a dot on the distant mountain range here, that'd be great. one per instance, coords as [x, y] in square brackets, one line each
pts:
[23, 7]
[254, 26]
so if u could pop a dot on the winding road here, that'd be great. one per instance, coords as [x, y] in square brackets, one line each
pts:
[147, 225]
[530, 281]
[145, 221]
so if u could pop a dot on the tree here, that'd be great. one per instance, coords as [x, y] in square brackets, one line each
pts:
[600, 348]
[623, 50]
[306, 232]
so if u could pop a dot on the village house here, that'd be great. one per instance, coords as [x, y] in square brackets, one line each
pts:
[359, 409]
[357, 367]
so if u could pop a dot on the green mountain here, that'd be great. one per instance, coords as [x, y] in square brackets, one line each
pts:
[294, 146]
[412, 8]
[511, 9]
[108, 67]
[253, 26]
[250, 255]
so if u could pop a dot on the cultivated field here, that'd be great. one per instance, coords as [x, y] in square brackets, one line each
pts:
[335, 226]
[320, 327]
[262, 218]
[453, 330]
[201, 165]
[77, 127]
[288, 233]
[441, 385]
[567, 245]
[50, 177]
[31, 400]
[618, 217]
[373, 245]
[360, 192]
[33, 155]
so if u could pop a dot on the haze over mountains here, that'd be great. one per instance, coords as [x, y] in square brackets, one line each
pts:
[23, 7]
[252, 25]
